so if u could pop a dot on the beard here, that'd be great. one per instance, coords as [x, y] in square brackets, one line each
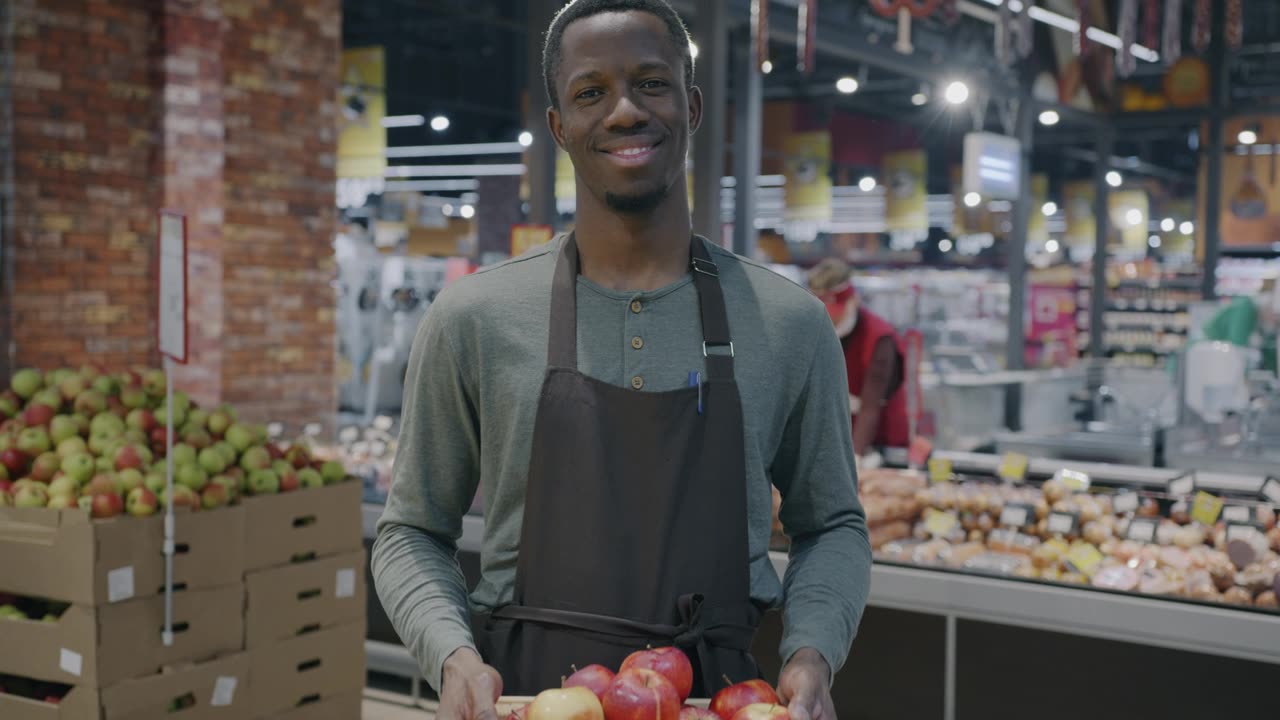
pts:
[638, 203]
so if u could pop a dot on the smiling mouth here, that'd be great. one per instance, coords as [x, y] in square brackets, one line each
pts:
[633, 154]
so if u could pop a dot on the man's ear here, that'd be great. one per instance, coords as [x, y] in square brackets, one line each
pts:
[695, 109]
[557, 130]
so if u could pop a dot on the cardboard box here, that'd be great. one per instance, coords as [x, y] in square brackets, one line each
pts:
[65, 555]
[309, 523]
[100, 646]
[307, 669]
[345, 706]
[217, 690]
[283, 602]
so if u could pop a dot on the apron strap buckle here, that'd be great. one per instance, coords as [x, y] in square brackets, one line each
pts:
[705, 266]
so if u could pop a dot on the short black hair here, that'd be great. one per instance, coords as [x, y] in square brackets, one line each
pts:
[579, 9]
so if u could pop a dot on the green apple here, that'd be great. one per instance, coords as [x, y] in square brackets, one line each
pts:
[155, 481]
[33, 495]
[192, 476]
[333, 472]
[212, 461]
[310, 478]
[47, 396]
[33, 441]
[72, 446]
[27, 382]
[281, 467]
[197, 418]
[263, 482]
[183, 454]
[107, 422]
[228, 451]
[79, 467]
[255, 458]
[63, 427]
[240, 437]
[129, 478]
[104, 464]
[65, 485]
[106, 385]
[102, 441]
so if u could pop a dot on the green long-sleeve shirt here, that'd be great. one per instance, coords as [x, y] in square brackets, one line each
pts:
[471, 393]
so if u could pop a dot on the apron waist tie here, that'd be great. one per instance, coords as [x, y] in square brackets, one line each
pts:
[701, 629]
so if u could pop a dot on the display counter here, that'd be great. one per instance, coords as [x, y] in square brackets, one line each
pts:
[941, 642]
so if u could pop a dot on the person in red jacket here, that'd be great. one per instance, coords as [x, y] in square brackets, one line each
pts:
[873, 356]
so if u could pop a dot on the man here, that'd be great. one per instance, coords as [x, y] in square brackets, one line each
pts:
[625, 395]
[873, 355]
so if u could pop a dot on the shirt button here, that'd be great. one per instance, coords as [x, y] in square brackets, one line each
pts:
[637, 382]
[637, 342]
[636, 306]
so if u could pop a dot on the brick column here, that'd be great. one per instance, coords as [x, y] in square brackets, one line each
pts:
[191, 175]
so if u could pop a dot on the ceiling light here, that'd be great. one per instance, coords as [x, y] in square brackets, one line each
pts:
[693, 50]
[1168, 225]
[919, 99]
[398, 121]
[525, 139]
[1052, 246]
[972, 199]
[1114, 179]
[1049, 118]
[945, 245]
[439, 123]
[468, 211]
[447, 209]
[957, 92]
[1247, 137]
[1186, 228]
[1133, 216]
[847, 85]
[867, 184]
[1154, 241]
[1049, 208]
[766, 67]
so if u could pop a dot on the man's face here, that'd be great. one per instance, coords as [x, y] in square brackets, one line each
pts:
[625, 116]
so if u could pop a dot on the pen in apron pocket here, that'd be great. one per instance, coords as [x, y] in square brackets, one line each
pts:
[695, 378]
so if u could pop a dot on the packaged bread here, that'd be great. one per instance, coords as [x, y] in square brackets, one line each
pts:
[1116, 577]
[957, 555]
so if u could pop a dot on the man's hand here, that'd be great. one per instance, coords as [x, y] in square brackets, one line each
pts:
[469, 688]
[805, 686]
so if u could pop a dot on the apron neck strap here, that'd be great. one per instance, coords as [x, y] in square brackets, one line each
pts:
[562, 345]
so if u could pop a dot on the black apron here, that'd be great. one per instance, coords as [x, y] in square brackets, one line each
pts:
[635, 518]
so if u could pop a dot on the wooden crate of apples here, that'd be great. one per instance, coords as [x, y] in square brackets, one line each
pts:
[91, 439]
[651, 684]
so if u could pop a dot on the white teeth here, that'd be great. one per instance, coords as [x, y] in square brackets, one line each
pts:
[632, 152]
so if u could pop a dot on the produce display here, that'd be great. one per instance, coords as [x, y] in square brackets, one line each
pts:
[1060, 531]
[85, 438]
[651, 684]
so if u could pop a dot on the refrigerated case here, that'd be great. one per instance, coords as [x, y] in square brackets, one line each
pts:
[943, 642]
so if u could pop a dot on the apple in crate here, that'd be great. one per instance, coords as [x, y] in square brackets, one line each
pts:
[214, 495]
[105, 505]
[263, 482]
[44, 467]
[333, 472]
[72, 446]
[62, 501]
[34, 441]
[141, 502]
[730, 700]
[669, 662]
[15, 461]
[103, 484]
[62, 428]
[596, 678]
[641, 695]
[311, 478]
[183, 496]
[577, 703]
[689, 712]
[37, 415]
[26, 382]
[65, 485]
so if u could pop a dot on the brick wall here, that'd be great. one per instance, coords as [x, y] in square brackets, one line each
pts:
[222, 109]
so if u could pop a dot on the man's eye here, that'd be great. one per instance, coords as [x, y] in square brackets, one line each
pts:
[588, 94]
[653, 84]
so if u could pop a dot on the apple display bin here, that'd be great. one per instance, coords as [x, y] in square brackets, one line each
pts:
[508, 704]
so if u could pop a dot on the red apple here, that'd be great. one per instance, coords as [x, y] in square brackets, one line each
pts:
[45, 466]
[90, 403]
[214, 495]
[141, 502]
[37, 415]
[15, 461]
[576, 703]
[275, 451]
[596, 678]
[669, 662]
[106, 505]
[689, 712]
[184, 496]
[730, 700]
[763, 711]
[102, 484]
[144, 420]
[289, 481]
[641, 695]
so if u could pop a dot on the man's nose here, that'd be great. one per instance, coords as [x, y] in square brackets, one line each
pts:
[627, 113]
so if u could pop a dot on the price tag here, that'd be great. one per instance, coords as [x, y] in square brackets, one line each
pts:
[1061, 523]
[1125, 502]
[1013, 467]
[1182, 485]
[1142, 529]
[1016, 515]
[919, 452]
[939, 470]
[1236, 514]
[1075, 481]
[1242, 531]
[940, 524]
[1206, 508]
[1271, 490]
[1084, 557]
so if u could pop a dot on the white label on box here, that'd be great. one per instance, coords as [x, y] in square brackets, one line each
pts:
[1236, 513]
[1184, 485]
[345, 584]
[1142, 530]
[224, 691]
[1013, 515]
[120, 584]
[1126, 502]
[71, 662]
[1061, 523]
